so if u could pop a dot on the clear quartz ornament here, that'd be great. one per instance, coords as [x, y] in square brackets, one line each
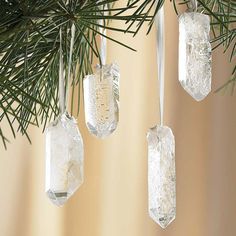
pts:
[101, 92]
[64, 145]
[161, 175]
[195, 54]
[101, 100]
[161, 150]
[64, 159]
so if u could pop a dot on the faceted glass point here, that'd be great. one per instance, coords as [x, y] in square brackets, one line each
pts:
[101, 100]
[195, 54]
[64, 159]
[161, 175]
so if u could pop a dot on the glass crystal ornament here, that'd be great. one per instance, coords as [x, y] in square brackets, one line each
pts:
[161, 175]
[161, 150]
[195, 54]
[64, 159]
[101, 98]
[64, 144]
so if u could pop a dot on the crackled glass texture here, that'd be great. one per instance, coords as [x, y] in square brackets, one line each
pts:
[161, 175]
[195, 54]
[101, 98]
[64, 159]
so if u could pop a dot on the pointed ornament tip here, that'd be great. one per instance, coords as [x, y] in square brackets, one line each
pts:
[161, 175]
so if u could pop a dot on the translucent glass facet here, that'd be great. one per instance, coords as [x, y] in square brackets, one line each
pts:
[101, 98]
[64, 159]
[195, 54]
[161, 175]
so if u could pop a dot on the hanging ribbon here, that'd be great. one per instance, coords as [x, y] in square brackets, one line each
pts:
[63, 96]
[72, 39]
[61, 79]
[193, 5]
[161, 59]
[103, 52]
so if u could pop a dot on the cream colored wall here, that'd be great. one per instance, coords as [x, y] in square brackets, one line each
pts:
[113, 199]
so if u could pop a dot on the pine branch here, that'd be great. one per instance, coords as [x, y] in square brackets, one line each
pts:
[29, 48]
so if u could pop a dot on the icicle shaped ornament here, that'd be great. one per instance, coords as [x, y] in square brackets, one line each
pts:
[161, 152]
[195, 53]
[101, 96]
[64, 147]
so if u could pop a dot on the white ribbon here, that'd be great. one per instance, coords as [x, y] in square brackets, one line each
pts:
[61, 80]
[103, 52]
[72, 39]
[194, 5]
[161, 59]
[63, 96]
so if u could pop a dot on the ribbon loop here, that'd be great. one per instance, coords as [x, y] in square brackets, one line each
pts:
[161, 59]
[63, 93]
[61, 79]
[72, 39]
[103, 51]
[193, 5]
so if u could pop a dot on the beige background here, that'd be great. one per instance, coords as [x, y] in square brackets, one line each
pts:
[113, 199]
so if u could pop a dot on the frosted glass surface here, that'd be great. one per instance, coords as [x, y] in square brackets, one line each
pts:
[195, 54]
[161, 175]
[101, 98]
[64, 159]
